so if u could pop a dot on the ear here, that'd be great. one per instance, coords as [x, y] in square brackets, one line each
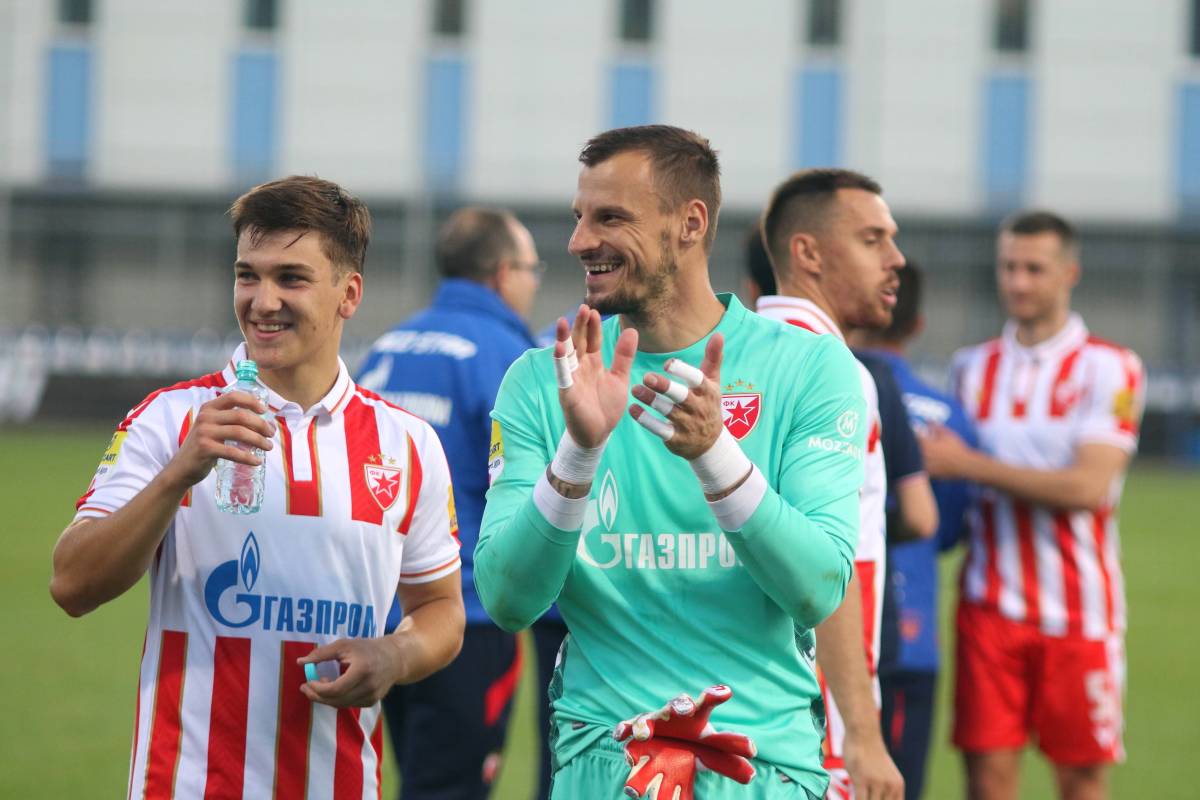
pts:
[804, 253]
[695, 223]
[1074, 273]
[352, 294]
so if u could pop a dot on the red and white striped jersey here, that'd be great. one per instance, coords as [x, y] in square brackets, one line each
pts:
[1052, 568]
[871, 552]
[357, 500]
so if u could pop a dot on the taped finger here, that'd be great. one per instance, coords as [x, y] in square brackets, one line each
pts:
[662, 405]
[691, 376]
[570, 356]
[563, 370]
[659, 427]
[677, 392]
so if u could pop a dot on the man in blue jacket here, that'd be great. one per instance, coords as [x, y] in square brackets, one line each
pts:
[445, 365]
[908, 667]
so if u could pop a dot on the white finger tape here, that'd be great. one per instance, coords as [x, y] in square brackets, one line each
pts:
[662, 405]
[684, 371]
[660, 428]
[563, 370]
[677, 392]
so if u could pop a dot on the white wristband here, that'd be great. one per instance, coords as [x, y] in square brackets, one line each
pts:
[573, 463]
[735, 509]
[564, 513]
[722, 465]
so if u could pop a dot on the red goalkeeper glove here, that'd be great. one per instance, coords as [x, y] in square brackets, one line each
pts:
[667, 747]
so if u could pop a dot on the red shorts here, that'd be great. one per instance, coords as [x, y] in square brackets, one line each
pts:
[1011, 679]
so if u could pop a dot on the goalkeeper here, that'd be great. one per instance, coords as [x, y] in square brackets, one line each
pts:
[695, 539]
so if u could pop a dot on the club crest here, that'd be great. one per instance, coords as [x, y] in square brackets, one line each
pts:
[383, 480]
[740, 412]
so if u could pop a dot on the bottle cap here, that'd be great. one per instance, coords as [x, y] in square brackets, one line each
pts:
[246, 370]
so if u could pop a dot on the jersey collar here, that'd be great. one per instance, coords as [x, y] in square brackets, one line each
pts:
[330, 404]
[798, 310]
[1074, 334]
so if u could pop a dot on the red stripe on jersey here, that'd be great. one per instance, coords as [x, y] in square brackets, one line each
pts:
[989, 383]
[303, 497]
[1072, 594]
[295, 725]
[873, 438]
[866, 585]
[1060, 404]
[1133, 379]
[377, 746]
[227, 718]
[166, 730]
[214, 381]
[183, 432]
[498, 695]
[348, 762]
[362, 442]
[414, 486]
[991, 597]
[1100, 531]
[800, 324]
[1029, 579]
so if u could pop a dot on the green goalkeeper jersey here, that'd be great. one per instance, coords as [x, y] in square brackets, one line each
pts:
[657, 598]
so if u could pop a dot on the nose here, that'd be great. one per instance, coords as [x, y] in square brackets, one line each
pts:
[896, 259]
[583, 240]
[265, 300]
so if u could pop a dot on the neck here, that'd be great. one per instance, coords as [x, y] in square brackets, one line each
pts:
[1034, 332]
[806, 290]
[682, 318]
[303, 385]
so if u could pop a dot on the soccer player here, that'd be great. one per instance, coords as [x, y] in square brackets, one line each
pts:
[1041, 618]
[445, 365]
[908, 669]
[831, 240]
[702, 560]
[357, 509]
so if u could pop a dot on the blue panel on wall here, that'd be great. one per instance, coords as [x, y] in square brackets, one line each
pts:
[68, 110]
[632, 100]
[1188, 164]
[445, 120]
[255, 115]
[817, 124]
[1005, 153]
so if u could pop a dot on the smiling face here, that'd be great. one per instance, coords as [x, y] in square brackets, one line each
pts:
[623, 237]
[860, 259]
[291, 302]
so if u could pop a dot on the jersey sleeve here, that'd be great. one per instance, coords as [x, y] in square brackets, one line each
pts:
[431, 547]
[521, 560]
[799, 543]
[139, 450]
[1113, 402]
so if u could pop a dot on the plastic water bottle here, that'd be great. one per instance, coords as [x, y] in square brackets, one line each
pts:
[240, 486]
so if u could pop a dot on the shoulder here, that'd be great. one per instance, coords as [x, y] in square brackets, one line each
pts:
[1106, 351]
[966, 357]
[174, 401]
[389, 415]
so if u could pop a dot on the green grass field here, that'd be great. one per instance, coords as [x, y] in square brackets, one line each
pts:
[68, 713]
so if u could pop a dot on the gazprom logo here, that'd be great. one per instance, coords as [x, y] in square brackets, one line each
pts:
[609, 500]
[230, 598]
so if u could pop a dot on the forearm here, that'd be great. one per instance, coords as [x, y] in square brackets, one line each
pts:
[521, 565]
[796, 560]
[841, 655]
[1070, 488]
[428, 638]
[917, 512]
[97, 560]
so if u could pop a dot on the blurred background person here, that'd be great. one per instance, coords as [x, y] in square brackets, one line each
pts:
[445, 365]
[909, 648]
[1041, 617]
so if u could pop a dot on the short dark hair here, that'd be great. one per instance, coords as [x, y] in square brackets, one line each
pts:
[801, 202]
[301, 202]
[1035, 221]
[758, 263]
[473, 240]
[685, 165]
[907, 310]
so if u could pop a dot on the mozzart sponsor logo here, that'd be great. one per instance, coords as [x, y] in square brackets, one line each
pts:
[601, 547]
[847, 426]
[230, 597]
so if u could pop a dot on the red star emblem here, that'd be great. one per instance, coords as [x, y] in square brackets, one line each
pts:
[739, 412]
[383, 483]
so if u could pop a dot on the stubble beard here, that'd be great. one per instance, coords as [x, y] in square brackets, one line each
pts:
[654, 292]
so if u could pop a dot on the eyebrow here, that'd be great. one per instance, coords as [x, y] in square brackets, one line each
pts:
[298, 265]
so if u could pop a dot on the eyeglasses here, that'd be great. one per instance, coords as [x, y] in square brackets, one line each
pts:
[538, 268]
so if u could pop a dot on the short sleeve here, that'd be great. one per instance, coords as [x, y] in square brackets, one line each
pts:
[139, 450]
[431, 545]
[1113, 401]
